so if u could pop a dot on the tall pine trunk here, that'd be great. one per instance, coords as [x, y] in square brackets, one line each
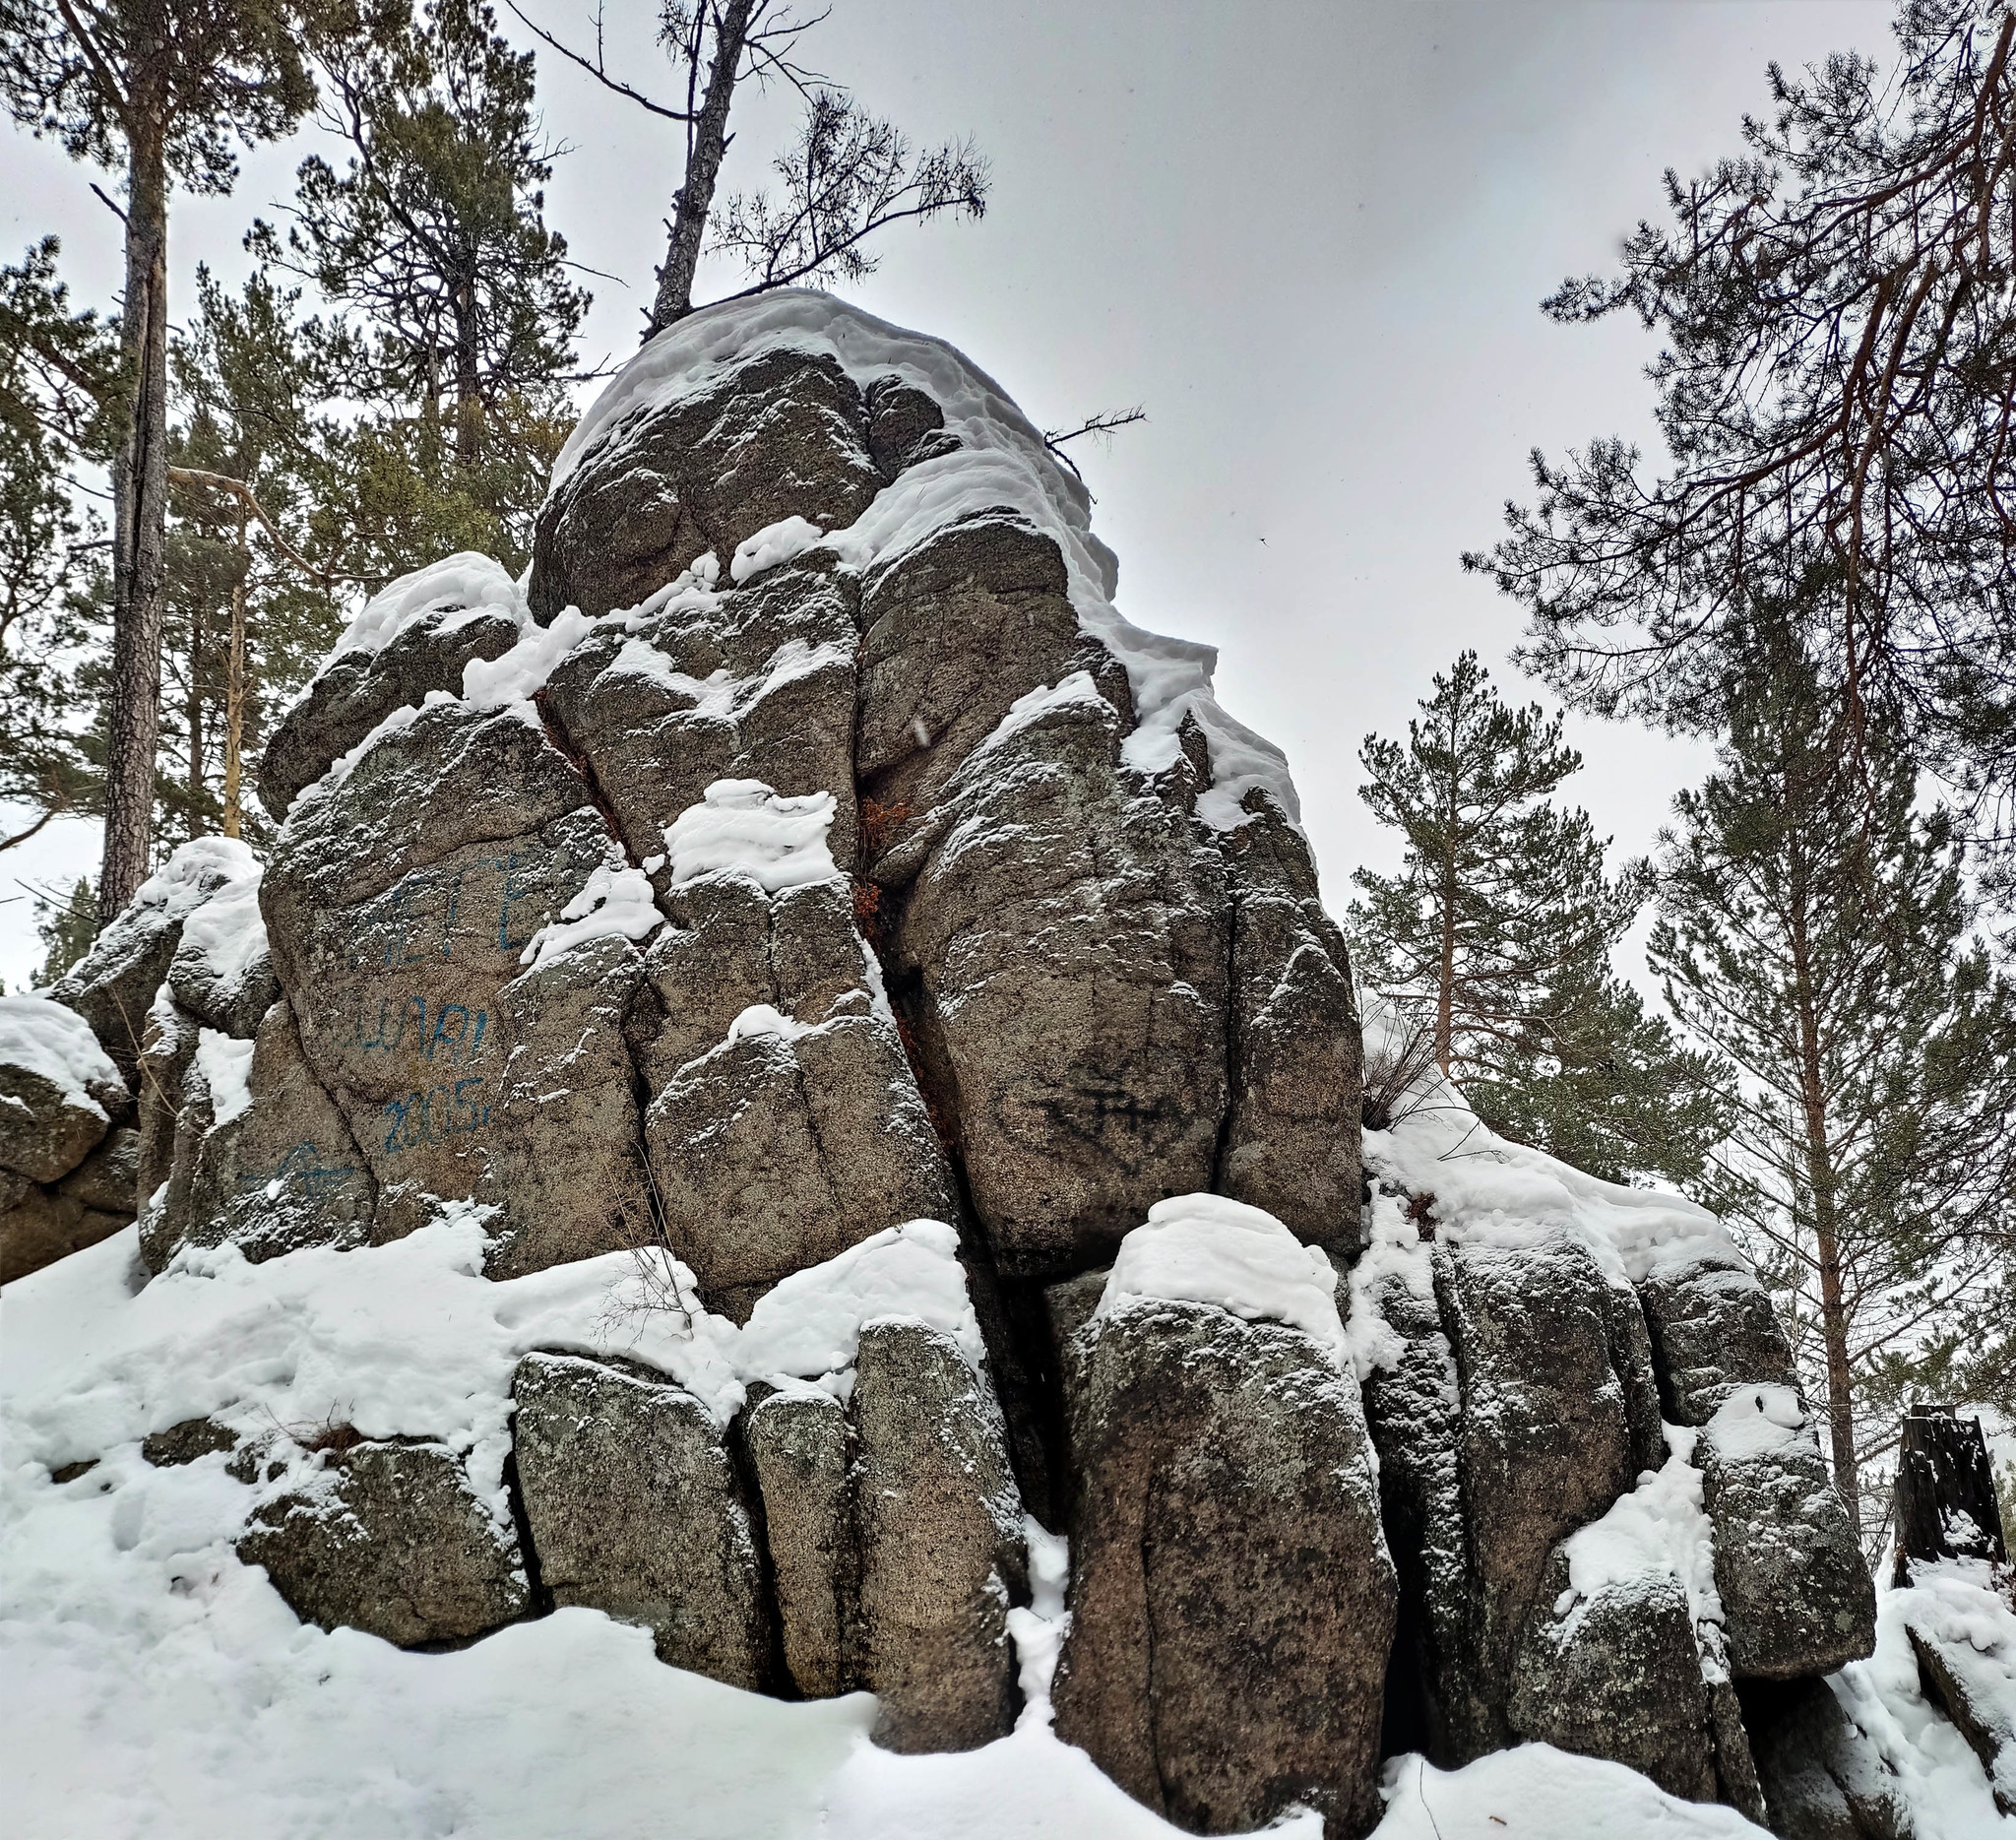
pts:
[1821, 1177]
[704, 155]
[194, 715]
[234, 691]
[140, 490]
[1445, 983]
[469, 404]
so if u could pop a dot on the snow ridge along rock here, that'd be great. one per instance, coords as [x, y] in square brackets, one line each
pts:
[793, 1056]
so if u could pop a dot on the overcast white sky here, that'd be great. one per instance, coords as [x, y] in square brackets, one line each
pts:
[1310, 239]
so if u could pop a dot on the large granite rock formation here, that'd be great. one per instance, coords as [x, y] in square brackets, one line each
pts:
[807, 897]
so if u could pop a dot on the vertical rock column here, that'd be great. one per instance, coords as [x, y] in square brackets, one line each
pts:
[1231, 1599]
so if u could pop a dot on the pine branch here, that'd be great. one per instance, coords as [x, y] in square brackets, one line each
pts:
[222, 482]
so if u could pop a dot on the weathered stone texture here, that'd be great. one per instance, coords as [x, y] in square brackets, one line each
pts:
[1788, 1566]
[635, 1509]
[938, 1528]
[801, 1449]
[108, 1176]
[1617, 1675]
[281, 1174]
[399, 906]
[1292, 1139]
[43, 1225]
[390, 1540]
[1713, 1331]
[356, 690]
[112, 987]
[780, 434]
[1412, 1410]
[46, 1129]
[1231, 1597]
[564, 1162]
[953, 631]
[1063, 947]
[1823, 1778]
[786, 1144]
[1544, 1444]
[757, 682]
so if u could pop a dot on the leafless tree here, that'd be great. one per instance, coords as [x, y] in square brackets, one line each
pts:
[848, 175]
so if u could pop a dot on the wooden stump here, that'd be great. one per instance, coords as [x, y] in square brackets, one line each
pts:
[1945, 1491]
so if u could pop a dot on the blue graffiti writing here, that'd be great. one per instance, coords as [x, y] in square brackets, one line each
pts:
[435, 1116]
[456, 1034]
[303, 1170]
[401, 927]
[512, 891]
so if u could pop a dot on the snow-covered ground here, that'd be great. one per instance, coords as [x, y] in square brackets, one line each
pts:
[151, 1685]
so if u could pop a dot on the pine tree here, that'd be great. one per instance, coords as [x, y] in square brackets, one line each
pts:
[1500, 925]
[159, 88]
[261, 486]
[434, 234]
[66, 925]
[57, 368]
[1835, 308]
[1816, 930]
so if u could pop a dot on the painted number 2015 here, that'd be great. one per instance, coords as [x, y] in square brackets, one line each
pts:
[435, 1116]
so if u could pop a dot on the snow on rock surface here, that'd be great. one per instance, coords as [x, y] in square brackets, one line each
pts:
[581, 911]
[1961, 1624]
[50, 1040]
[113, 984]
[519, 674]
[1939, 1778]
[223, 1062]
[996, 460]
[1658, 1528]
[741, 824]
[1490, 1192]
[1204, 1248]
[774, 543]
[467, 584]
[409, 1339]
[222, 937]
[153, 1684]
[615, 902]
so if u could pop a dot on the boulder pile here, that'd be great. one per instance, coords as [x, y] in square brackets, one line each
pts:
[807, 893]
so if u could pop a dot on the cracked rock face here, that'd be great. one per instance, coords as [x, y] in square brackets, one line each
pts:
[1543, 1442]
[787, 1124]
[635, 1509]
[778, 435]
[939, 1525]
[399, 904]
[1227, 1554]
[281, 1172]
[758, 684]
[1618, 1677]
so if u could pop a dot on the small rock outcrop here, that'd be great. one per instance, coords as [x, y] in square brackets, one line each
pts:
[938, 1526]
[806, 916]
[112, 987]
[390, 1539]
[636, 1509]
[69, 1157]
